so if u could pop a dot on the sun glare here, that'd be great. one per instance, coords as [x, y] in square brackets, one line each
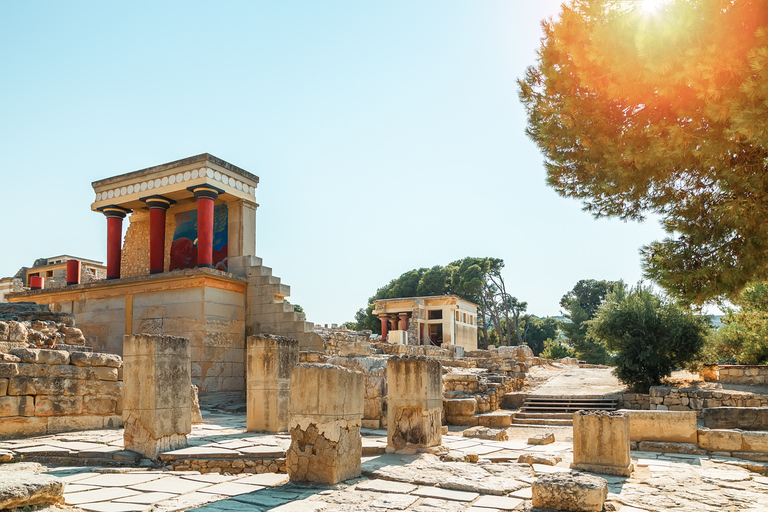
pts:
[651, 6]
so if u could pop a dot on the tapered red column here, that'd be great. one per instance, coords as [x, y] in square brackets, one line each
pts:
[115, 216]
[384, 325]
[403, 321]
[205, 196]
[158, 205]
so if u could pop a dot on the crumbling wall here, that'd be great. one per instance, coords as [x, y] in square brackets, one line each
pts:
[674, 399]
[375, 399]
[46, 391]
[743, 374]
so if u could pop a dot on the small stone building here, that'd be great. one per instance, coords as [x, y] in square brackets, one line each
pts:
[187, 267]
[442, 320]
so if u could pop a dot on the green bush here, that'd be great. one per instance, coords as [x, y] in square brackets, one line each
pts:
[647, 335]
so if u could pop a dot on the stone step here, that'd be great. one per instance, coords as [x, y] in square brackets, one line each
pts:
[495, 419]
[567, 408]
[544, 415]
[532, 421]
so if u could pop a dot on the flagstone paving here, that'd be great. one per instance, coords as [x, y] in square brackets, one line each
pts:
[419, 483]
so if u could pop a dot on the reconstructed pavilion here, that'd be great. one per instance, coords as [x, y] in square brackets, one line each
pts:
[441, 320]
[187, 267]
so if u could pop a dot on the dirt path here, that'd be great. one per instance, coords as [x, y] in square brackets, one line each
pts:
[580, 382]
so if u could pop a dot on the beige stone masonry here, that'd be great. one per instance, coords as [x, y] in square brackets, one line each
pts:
[601, 442]
[672, 426]
[415, 402]
[326, 410]
[156, 403]
[269, 362]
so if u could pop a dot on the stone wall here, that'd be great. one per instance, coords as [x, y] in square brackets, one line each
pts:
[636, 401]
[375, 399]
[134, 259]
[742, 374]
[673, 399]
[47, 391]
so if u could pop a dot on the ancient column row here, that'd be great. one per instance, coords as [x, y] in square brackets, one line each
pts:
[158, 206]
[398, 322]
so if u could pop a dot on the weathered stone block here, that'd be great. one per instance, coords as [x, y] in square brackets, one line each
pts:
[17, 332]
[58, 405]
[414, 402]
[103, 373]
[669, 447]
[745, 418]
[71, 423]
[568, 491]
[673, 426]
[23, 426]
[33, 370]
[67, 371]
[601, 442]
[45, 386]
[156, 399]
[460, 406]
[24, 489]
[96, 359]
[270, 360]
[326, 404]
[17, 406]
[547, 438]
[9, 370]
[720, 440]
[4, 331]
[3, 387]
[101, 405]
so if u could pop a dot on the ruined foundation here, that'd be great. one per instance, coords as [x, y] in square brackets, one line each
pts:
[326, 410]
[601, 442]
[415, 402]
[157, 404]
[270, 360]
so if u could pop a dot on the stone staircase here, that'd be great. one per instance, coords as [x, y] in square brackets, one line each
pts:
[269, 313]
[541, 410]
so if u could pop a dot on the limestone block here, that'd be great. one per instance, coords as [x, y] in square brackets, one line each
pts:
[33, 370]
[96, 359]
[23, 426]
[67, 371]
[17, 406]
[673, 426]
[746, 418]
[7, 358]
[720, 440]
[460, 406]
[9, 370]
[4, 331]
[58, 405]
[45, 386]
[481, 432]
[601, 442]
[539, 458]
[101, 405]
[70, 423]
[3, 387]
[156, 400]
[326, 405]
[414, 402]
[754, 442]
[103, 373]
[25, 489]
[101, 387]
[547, 438]
[270, 360]
[73, 336]
[570, 491]
[17, 332]
[668, 447]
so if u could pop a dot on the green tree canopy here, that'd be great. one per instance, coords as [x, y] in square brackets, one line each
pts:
[650, 336]
[581, 304]
[744, 336]
[662, 113]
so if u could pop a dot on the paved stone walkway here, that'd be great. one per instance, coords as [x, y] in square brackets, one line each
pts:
[580, 382]
[422, 483]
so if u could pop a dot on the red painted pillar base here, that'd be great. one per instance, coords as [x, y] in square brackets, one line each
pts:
[73, 272]
[158, 205]
[205, 196]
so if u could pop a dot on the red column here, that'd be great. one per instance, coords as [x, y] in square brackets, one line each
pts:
[205, 197]
[115, 216]
[403, 321]
[73, 272]
[384, 324]
[158, 205]
[393, 320]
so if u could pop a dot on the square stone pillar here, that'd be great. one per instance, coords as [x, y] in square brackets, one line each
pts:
[601, 442]
[326, 411]
[414, 402]
[270, 360]
[157, 406]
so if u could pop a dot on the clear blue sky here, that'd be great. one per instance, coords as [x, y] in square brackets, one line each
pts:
[387, 136]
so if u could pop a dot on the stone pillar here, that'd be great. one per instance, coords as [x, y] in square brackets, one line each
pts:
[157, 405]
[115, 216]
[158, 205]
[393, 322]
[270, 360]
[415, 402]
[384, 324]
[205, 196]
[73, 272]
[403, 321]
[601, 442]
[326, 411]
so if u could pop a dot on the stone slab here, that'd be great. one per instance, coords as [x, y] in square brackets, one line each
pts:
[387, 486]
[27, 489]
[445, 494]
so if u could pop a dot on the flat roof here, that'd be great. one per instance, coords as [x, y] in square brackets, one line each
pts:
[425, 297]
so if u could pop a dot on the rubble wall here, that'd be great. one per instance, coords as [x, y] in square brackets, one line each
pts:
[47, 391]
[673, 399]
